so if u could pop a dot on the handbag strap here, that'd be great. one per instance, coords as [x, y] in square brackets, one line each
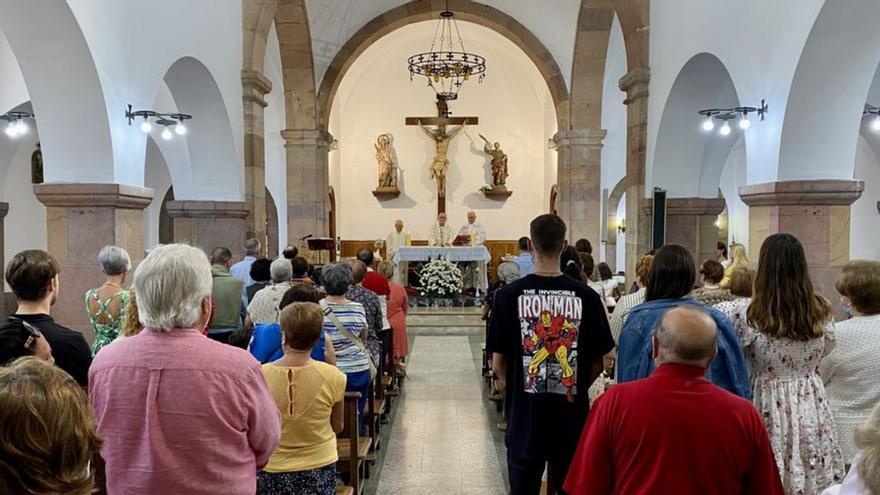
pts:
[344, 331]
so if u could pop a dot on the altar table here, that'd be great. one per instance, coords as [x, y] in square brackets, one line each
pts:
[455, 254]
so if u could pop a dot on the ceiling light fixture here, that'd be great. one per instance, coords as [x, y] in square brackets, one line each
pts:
[447, 67]
[16, 125]
[727, 114]
[875, 121]
[167, 120]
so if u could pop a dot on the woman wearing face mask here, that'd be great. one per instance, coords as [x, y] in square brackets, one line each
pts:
[850, 372]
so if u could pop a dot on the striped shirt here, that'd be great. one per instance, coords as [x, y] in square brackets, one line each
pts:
[349, 358]
[621, 311]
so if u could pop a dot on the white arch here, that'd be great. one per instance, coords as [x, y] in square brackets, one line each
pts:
[833, 76]
[64, 87]
[217, 172]
[688, 162]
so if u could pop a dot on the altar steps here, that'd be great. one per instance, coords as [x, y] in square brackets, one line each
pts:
[445, 321]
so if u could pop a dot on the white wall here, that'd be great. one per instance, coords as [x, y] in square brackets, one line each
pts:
[274, 122]
[134, 43]
[865, 219]
[13, 91]
[613, 120]
[25, 225]
[734, 176]
[760, 53]
[159, 180]
[377, 94]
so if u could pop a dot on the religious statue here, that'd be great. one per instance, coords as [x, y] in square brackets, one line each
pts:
[441, 163]
[499, 163]
[387, 170]
[37, 166]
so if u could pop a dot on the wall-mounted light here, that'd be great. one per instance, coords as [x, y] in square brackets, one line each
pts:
[725, 115]
[621, 226]
[168, 120]
[16, 125]
[873, 113]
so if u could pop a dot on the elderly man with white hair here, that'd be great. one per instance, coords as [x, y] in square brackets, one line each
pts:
[178, 412]
[264, 307]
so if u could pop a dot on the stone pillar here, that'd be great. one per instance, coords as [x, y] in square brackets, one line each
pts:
[579, 181]
[210, 224]
[638, 225]
[4, 209]
[308, 183]
[255, 86]
[817, 212]
[82, 219]
[691, 223]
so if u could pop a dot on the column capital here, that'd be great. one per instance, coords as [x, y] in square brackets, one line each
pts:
[306, 138]
[77, 194]
[207, 209]
[635, 84]
[694, 206]
[4, 209]
[802, 192]
[580, 137]
[254, 87]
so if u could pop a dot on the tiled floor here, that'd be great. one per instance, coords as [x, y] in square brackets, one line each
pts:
[443, 437]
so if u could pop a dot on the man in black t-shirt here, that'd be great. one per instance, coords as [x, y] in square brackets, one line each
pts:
[33, 276]
[548, 333]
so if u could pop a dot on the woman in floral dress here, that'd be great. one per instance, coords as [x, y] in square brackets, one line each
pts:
[785, 332]
[106, 304]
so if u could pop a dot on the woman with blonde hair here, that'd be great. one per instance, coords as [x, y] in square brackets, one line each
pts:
[48, 439]
[739, 259]
[786, 331]
[864, 475]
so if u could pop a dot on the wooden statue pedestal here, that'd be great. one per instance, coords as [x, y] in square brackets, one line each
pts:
[497, 192]
[386, 193]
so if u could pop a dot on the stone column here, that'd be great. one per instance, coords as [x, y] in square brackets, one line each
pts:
[255, 86]
[817, 212]
[579, 181]
[691, 223]
[638, 225]
[82, 219]
[210, 224]
[308, 183]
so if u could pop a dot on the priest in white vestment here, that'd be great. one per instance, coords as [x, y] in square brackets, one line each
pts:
[441, 234]
[396, 239]
[473, 230]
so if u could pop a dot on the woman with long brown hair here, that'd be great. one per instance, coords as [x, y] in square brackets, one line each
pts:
[786, 331]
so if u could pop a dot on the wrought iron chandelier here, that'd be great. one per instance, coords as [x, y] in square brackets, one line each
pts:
[16, 123]
[725, 115]
[446, 67]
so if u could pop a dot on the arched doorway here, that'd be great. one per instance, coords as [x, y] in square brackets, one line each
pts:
[554, 194]
[271, 226]
[166, 224]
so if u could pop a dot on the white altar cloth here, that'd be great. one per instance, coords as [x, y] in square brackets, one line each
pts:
[477, 254]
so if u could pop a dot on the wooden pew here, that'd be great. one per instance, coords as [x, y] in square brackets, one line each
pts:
[351, 447]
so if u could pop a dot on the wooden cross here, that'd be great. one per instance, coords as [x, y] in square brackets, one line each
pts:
[441, 141]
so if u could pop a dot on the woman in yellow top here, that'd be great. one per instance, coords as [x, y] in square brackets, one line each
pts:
[309, 395]
[739, 259]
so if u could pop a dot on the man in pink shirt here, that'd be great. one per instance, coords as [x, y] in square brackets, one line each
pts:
[178, 412]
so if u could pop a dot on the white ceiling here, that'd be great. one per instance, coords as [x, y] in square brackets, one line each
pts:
[333, 22]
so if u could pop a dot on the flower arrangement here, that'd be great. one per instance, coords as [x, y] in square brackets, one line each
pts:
[440, 278]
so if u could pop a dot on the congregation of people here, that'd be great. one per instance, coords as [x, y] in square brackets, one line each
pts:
[213, 376]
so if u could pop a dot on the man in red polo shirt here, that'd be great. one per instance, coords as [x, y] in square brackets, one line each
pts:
[675, 432]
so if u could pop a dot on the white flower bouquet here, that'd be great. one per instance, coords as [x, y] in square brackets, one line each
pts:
[440, 278]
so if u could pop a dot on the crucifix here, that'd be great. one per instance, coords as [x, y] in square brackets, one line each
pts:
[441, 140]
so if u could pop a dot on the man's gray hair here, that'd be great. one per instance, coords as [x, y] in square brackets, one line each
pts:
[114, 260]
[281, 270]
[252, 247]
[171, 284]
[508, 272]
[337, 278]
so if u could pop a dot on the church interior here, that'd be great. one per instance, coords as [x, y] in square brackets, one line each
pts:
[338, 126]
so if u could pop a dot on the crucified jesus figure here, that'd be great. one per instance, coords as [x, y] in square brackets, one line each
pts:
[441, 162]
